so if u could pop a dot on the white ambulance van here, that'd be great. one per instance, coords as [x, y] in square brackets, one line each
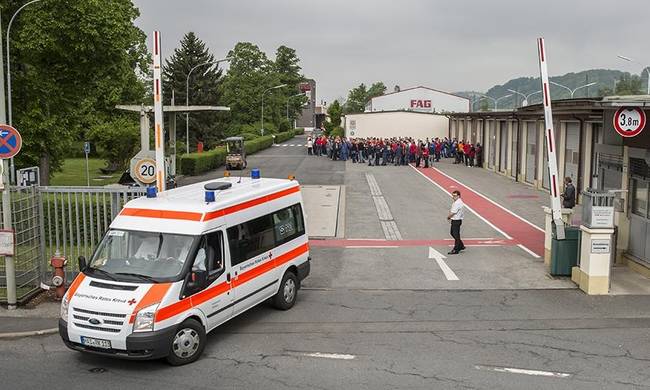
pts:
[175, 265]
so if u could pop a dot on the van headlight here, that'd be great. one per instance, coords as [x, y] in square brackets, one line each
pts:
[64, 308]
[145, 319]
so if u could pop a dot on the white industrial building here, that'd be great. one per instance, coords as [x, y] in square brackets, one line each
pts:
[388, 124]
[419, 99]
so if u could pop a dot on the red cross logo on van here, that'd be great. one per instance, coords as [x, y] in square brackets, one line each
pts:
[131, 302]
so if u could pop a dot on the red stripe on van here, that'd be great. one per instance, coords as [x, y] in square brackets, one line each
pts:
[75, 285]
[155, 294]
[162, 214]
[187, 303]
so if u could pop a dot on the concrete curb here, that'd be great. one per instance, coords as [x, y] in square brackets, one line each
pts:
[17, 335]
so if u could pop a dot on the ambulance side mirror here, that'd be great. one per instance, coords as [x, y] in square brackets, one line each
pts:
[82, 263]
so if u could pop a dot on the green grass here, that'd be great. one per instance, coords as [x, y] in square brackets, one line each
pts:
[74, 173]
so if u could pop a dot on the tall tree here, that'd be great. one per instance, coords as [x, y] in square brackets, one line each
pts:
[356, 101]
[249, 75]
[72, 62]
[376, 89]
[288, 70]
[203, 85]
[358, 97]
[335, 111]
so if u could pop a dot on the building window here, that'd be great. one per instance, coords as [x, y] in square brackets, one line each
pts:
[640, 197]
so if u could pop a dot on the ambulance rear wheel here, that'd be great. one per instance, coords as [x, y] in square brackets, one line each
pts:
[188, 343]
[285, 298]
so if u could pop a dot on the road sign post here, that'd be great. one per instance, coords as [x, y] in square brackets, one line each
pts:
[86, 152]
[10, 143]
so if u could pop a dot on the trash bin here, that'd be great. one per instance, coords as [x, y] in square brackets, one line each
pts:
[565, 253]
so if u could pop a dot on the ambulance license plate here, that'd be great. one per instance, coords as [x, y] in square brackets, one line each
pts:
[93, 342]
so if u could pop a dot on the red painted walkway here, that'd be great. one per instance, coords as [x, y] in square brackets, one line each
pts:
[372, 243]
[524, 233]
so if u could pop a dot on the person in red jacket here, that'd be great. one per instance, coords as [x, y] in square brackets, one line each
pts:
[472, 155]
[466, 148]
[425, 155]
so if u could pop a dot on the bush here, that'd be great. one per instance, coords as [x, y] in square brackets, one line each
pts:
[116, 141]
[285, 125]
[287, 135]
[196, 163]
[299, 131]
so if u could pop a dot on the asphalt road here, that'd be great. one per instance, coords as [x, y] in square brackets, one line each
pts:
[388, 318]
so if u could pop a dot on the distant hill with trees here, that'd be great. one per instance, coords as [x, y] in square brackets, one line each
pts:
[608, 82]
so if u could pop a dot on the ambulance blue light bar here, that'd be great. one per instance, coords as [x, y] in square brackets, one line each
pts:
[255, 173]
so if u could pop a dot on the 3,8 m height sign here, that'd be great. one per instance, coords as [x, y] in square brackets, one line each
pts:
[629, 121]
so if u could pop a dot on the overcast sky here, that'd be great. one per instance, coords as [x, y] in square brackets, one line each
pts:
[448, 45]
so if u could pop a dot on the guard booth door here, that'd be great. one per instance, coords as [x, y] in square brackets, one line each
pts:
[639, 244]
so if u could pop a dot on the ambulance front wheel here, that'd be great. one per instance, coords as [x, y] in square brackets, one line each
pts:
[188, 343]
[285, 298]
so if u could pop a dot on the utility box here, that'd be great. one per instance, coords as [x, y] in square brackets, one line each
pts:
[598, 209]
[565, 253]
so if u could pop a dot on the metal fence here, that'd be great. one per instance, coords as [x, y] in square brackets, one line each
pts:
[25, 213]
[69, 221]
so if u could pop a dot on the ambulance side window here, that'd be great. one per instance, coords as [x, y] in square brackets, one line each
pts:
[288, 224]
[209, 257]
[250, 239]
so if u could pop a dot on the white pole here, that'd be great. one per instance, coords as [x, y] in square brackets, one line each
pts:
[10, 264]
[159, 132]
[87, 171]
[551, 146]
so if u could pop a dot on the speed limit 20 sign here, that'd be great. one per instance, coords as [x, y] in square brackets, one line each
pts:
[629, 121]
[145, 170]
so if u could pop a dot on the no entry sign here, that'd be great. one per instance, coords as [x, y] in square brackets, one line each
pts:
[629, 121]
[10, 141]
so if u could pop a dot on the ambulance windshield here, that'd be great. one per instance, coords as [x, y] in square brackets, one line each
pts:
[142, 255]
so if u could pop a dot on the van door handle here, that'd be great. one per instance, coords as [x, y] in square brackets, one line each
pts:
[228, 277]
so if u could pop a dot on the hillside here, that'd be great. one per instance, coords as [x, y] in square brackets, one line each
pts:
[605, 79]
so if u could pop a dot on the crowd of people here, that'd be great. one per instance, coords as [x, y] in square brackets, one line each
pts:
[396, 150]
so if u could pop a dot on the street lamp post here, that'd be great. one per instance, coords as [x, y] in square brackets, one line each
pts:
[187, 99]
[572, 91]
[646, 69]
[525, 101]
[9, 116]
[496, 101]
[263, 92]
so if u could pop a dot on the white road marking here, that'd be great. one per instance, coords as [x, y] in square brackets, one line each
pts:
[285, 145]
[292, 145]
[449, 274]
[493, 202]
[338, 356]
[525, 372]
[535, 255]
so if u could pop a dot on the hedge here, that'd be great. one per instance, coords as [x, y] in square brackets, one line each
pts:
[197, 163]
[299, 130]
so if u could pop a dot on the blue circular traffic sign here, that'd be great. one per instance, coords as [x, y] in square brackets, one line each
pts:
[10, 141]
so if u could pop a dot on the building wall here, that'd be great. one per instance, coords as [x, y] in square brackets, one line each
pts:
[421, 100]
[307, 117]
[396, 124]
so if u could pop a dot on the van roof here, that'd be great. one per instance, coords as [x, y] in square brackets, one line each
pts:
[187, 203]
